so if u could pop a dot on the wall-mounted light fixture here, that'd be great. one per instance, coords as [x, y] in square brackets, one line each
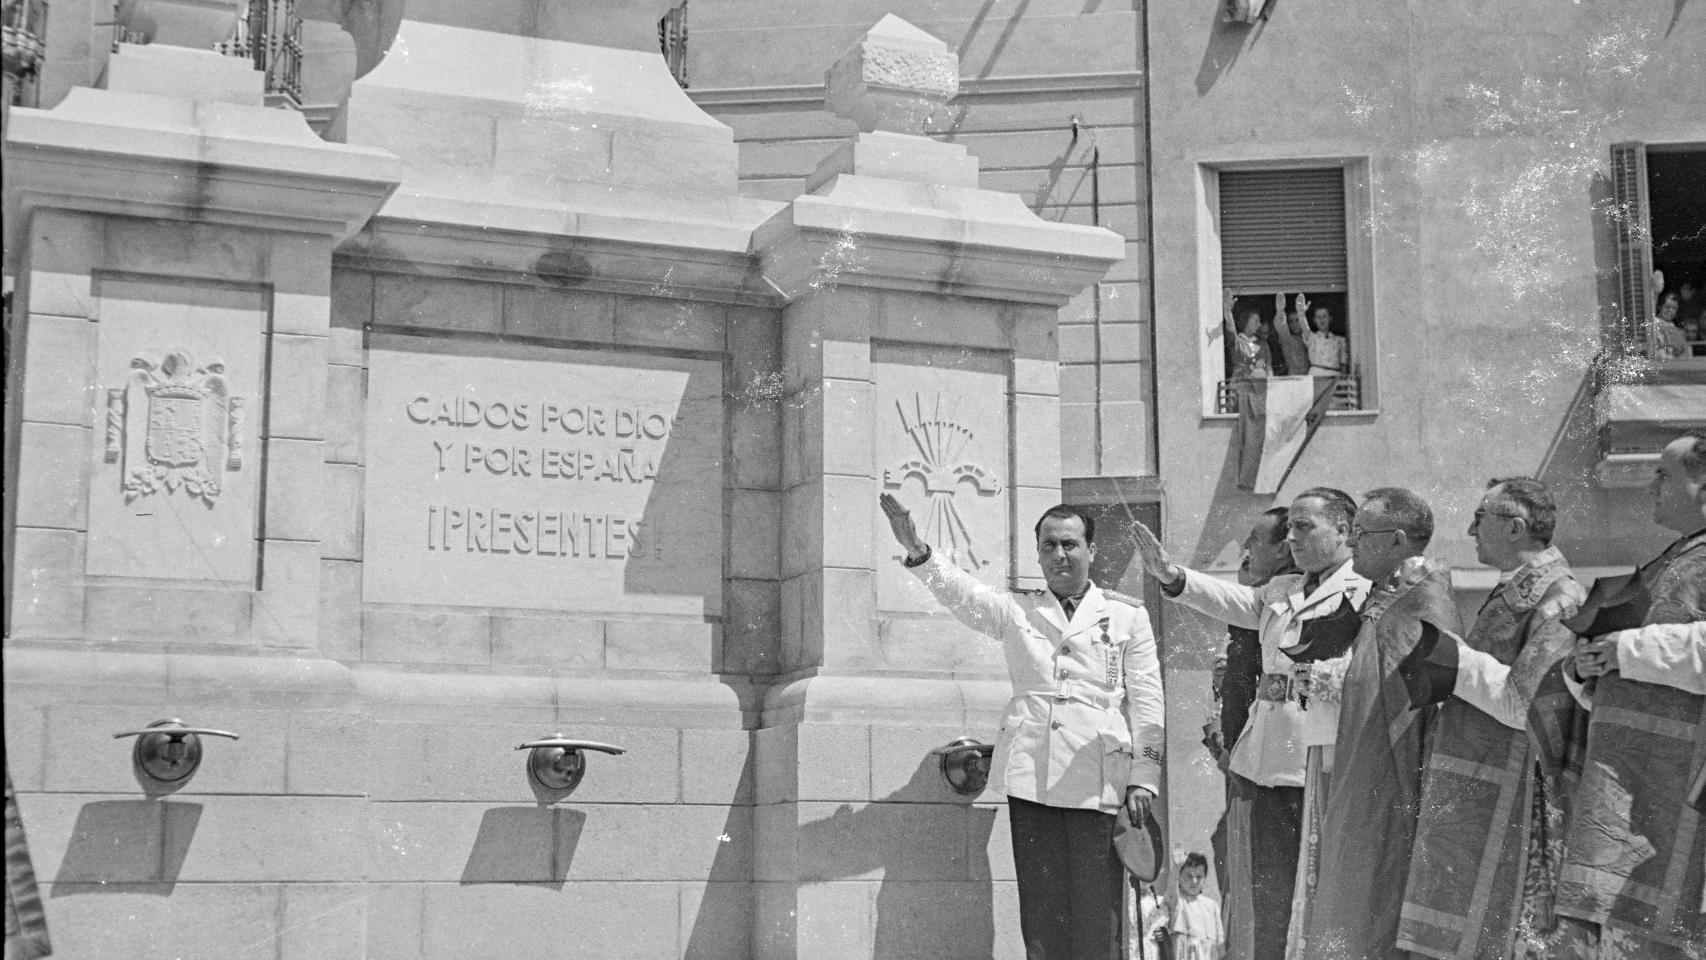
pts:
[557, 763]
[965, 764]
[167, 752]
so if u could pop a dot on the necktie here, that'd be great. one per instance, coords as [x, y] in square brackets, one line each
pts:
[1069, 604]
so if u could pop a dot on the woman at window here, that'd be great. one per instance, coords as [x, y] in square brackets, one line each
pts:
[1329, 355]
[1250, 356]
[1666, 340]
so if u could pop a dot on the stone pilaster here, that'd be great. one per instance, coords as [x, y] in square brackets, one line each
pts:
[918, 359]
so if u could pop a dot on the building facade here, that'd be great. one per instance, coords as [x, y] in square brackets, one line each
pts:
[529, 372]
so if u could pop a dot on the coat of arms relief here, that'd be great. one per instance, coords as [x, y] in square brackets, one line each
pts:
[174, 424]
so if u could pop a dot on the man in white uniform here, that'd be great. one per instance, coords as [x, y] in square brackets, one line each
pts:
[1271, 752]
[1081, 741]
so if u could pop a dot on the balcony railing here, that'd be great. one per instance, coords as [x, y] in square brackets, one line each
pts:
[270, 34]
[1347, 394]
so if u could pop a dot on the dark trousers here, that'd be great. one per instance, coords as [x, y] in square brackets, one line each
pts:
[1276, 822]
[1069, 881]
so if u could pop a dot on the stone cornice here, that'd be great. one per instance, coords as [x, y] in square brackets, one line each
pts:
[146, 155]
[862, 231]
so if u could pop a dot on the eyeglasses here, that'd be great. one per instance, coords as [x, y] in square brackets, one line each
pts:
[1359, 534]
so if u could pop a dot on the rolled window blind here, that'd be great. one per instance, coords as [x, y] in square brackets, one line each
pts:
[1283, 230]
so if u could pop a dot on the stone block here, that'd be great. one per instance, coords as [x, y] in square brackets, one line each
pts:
[639, 842]
[1078, 384]
[846, 410]
[503, 920]
[937, 920]
[555, 641]
[718, 766]
[802, 436]
[1029, 502]
[777, 828]
[1079, 450]
[847, 506]
[346, 413]
[659, 645]
[286, 609]
[848, 616]
[295, 490]
[1125, 381]
[352, 308]
[1123, 342]
[26, 755]
[328, 753]
[340, 526]
[716, 920]
[296, 388]
[68, 295]
[394, 921]
[555, 314]
[776, 920]
[754, 535]
[555, 149]
[1035, 420]
[300, 264]
[793, 620]
[175, 249]
[429, 303]
[46, 586]
[698, 165]
[1077, 342]
[950, 321]
[340, 610]
[1125, 438]
[677, 324]
[752, 628]
[836, 919]
[999, 850]
[296, 839]
[802, 528]
[66, 242]
[52, 476]
[405, 635]
[754, 346]
[323, 921]
[776, 758]
[159, 921]
[173, 616]
[833, 762]
[1045, 377]
[58, 382]
[917, 841]
[301, 314]
[755, 445]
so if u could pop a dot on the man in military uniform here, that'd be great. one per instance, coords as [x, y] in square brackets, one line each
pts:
[1081, 741]
[1271, 753]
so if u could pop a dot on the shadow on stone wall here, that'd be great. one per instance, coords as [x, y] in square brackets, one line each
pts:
[935, 899]
[127, 846]
[524, 845]
[723, 923]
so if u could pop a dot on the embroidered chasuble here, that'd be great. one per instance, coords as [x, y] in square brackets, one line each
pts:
[1487, 838]
[1375, 790]
[1635, 850]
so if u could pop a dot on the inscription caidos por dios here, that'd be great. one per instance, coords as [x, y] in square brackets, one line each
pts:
[587, 442]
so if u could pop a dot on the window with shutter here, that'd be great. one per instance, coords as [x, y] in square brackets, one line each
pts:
[1633, 220]
[1283, 230]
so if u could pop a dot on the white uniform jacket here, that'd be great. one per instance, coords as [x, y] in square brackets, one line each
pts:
[1086, 718]
[1271, 750]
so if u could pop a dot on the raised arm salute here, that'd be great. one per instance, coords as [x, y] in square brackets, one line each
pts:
[1081, 740]
[1270, 757]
